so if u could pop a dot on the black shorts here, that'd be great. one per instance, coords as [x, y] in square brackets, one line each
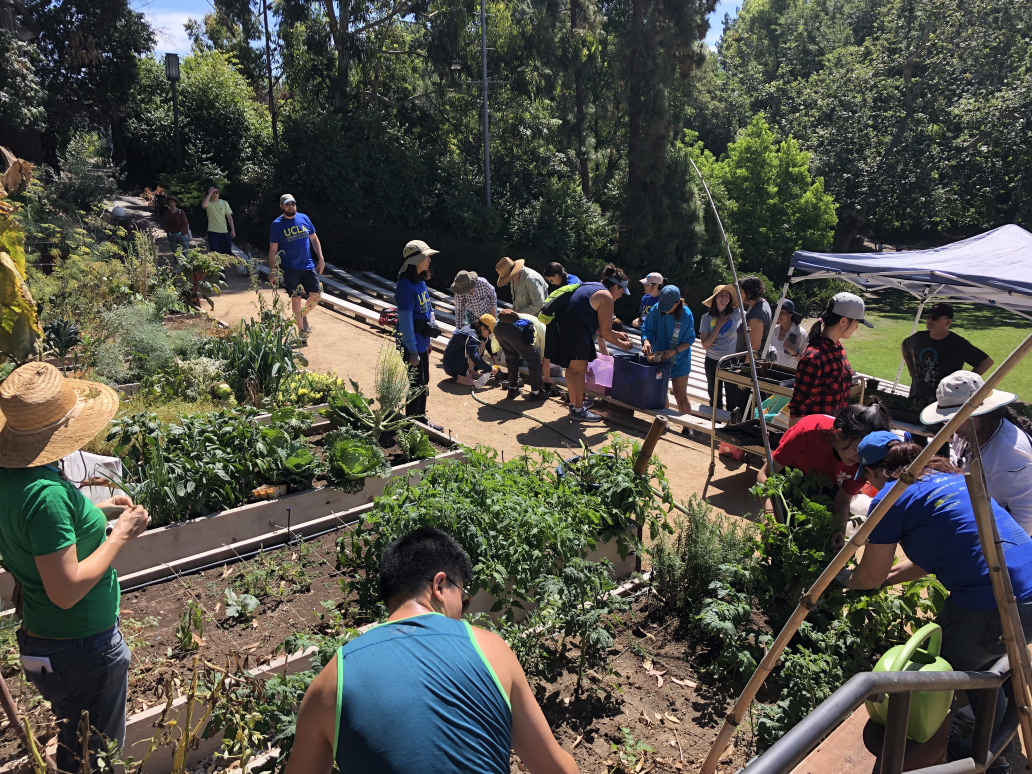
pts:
[568, 338]
[306, 278]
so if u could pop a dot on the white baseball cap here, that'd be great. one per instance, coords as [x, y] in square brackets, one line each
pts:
[849, 305]
[652, 278]
[954, 391]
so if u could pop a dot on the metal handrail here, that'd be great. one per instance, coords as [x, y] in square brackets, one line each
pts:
[789, 751]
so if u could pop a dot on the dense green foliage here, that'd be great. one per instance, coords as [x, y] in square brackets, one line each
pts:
[746, 584]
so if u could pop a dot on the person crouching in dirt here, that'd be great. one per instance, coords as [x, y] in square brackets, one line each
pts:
[53, 542]
[464, 355]
[521, 337]
[424, 692]
[934, 522]
[828, 445]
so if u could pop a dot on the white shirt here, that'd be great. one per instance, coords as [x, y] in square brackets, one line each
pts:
[798, 344]
[1007, 460]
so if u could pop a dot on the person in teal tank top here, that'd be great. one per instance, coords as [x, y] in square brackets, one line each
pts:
[424, 692]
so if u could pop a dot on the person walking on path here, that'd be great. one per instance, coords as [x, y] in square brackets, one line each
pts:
[653, 283]
[177, 227]
[424, 692]
[668, 334]
[823, 374]
[521, 337]
[292, 239]
[933, 354]
[1004, 442]
[464, 355]
[474, 297]
[221, 231]
[529, 289]
[589, 310]
[416, 322]
[718, 332]
[53, 542]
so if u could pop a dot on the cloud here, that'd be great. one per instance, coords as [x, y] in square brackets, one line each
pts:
[168, 28]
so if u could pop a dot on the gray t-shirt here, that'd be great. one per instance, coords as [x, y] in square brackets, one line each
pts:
[724, 344]
[760, 311]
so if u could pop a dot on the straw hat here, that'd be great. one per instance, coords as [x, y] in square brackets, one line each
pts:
[716, 292]
[954, 391]
[44, 417]
[506, 268]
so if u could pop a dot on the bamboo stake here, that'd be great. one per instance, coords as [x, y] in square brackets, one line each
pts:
[13, 716]
[648, 446]
[809, 600]
[1006, 602]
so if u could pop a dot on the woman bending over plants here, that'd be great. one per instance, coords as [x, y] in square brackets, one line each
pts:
[828, 445]
[934, 523]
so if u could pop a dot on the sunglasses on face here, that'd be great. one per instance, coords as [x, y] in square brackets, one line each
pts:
[466, 597]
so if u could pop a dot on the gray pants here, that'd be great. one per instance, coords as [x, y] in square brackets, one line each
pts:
[515, 349]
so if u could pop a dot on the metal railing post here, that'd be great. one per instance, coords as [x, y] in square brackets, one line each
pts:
[985, 718]
[894, 748]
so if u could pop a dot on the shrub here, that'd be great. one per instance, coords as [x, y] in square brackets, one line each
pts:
[83, 182]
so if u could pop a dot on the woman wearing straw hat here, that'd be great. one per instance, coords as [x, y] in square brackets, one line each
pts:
[53, 542]
[1004, 442]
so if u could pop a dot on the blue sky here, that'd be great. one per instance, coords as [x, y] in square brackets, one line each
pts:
[168, 17]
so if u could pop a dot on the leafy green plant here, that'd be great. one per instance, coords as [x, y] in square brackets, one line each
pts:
[630, 751]
[354, 409]
[351, 458]
[414, 444]
[190, 629]
[202, 275]
[240, 606]
[295, 422]
[258, 356]
[61, 336]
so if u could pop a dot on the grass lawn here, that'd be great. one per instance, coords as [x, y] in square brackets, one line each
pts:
[875, 351]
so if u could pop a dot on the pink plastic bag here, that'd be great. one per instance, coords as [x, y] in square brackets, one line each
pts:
[599, 378]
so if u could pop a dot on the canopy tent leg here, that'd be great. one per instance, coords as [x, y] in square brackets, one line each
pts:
[913, 330]
[1006, 602]
[809, 600]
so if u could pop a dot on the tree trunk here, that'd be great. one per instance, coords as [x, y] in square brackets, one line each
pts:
[578, 79]
[339, 31]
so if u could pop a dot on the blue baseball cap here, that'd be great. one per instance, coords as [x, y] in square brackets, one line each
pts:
[669, 296]
[873, 448]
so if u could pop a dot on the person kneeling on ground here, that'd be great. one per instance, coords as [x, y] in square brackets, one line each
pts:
[670, 329]
[1004, 441]
[934, 522]
[424, 692]
[588, 310]
[829, 445]
[521, 338]
[464, 355]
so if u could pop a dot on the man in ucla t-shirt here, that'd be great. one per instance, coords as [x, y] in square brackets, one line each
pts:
[292, 237]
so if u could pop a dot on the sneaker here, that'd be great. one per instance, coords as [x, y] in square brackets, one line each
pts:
[537, 395]
[583, 415]
[511, 394]
[587, 403]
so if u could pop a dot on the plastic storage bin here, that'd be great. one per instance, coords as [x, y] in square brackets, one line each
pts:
[639, 383]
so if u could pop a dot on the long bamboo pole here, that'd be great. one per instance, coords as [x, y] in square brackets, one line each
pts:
[809, 600]
[1006, 602]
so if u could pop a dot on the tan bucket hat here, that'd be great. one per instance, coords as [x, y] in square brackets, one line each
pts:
[716, 292]
[415, 251]
[954, 391]
[44, 416]
[506, 268]
[464, 281]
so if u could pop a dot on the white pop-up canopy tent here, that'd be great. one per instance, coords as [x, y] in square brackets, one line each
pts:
[993, 268]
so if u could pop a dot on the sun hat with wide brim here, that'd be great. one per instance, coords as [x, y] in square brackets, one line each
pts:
[954, 391]
[44, 416]
[716, 292]
[414, 253]
[465, 281]
[506, 268]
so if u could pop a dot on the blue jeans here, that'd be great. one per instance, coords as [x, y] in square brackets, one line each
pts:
[219, 242]
[972, 640]
[89, 674]
[176, 241]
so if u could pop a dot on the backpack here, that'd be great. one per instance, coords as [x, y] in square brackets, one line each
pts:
[556, 302]
[389, 317]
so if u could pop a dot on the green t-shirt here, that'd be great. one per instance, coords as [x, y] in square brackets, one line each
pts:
[41, 513]
[217, 212]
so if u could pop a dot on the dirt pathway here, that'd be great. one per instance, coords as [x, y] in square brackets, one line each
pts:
[350, 347]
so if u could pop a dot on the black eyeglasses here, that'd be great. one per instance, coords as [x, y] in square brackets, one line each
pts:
[466, 596]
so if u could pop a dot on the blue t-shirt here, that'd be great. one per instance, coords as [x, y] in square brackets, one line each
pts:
[413, 302]
[936, 526]
[291, 234]
[464, 343]
[647, 302]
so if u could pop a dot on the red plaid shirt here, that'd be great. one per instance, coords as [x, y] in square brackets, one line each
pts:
[823, 380]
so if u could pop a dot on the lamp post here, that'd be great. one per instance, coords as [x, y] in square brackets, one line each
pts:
[172, 72]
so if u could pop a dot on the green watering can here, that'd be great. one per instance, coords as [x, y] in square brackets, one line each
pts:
[928, 709]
